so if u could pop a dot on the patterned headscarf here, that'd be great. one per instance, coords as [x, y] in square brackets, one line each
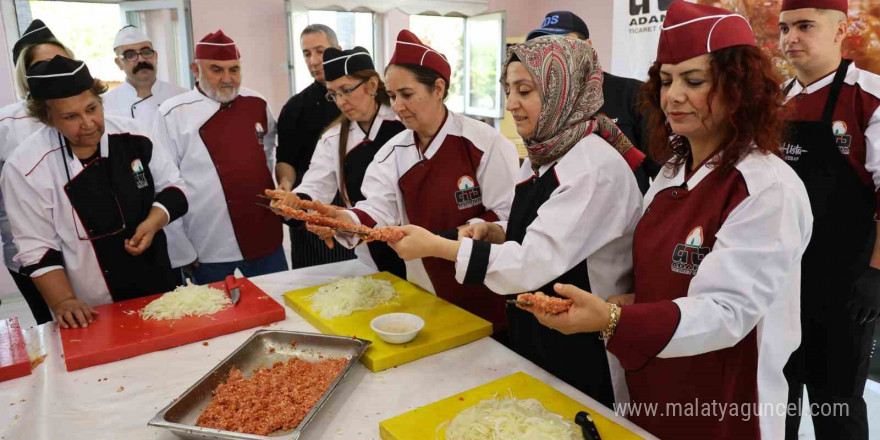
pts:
[568, 75]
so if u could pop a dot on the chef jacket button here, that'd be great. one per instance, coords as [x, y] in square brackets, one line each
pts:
[675, 193]
[106, 272]
[229, 202]
[91, 232]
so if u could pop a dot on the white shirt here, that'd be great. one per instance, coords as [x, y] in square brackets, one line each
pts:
[207, 223]
[589, 217]
[124, 101]
[15, 127]
[43, 217]
[384, 201]
[322, 181]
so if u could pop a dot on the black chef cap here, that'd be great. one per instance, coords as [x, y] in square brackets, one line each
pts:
[36, 33]
[339, 63]
[58, 78]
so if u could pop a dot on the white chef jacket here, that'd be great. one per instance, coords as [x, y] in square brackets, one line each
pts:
[589, 217]
[15, 127]
[384, 201]
[42, 216]
[749, 281]
[124, 101]
[322, 181]
[207, 223]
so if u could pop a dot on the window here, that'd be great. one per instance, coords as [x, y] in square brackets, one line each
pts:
[352, 29]
[167, 23]
[474, 47]
[445, 35]
[89, 29]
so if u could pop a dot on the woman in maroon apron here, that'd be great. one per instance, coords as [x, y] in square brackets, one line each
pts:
[717, 253]
[444, 171]
[573, 214]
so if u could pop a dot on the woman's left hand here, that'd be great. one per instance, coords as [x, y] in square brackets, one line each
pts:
[588, 314]
[418, 243]
[142, 238]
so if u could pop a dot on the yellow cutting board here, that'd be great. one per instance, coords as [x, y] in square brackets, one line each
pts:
[446, 326]
[425, 423]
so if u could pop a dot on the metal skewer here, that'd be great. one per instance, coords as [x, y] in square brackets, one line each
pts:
[343, 230]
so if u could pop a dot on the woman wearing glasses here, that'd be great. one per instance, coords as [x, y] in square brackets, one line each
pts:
[444, 171]
[140, 95]
[347, 147]
[88, 196]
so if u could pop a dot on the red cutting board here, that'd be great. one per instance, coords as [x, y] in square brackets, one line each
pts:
[120, 333]
[14, 362]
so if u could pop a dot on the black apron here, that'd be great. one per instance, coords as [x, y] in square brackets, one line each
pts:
[578, 359]
[111, 196]
[834, 353]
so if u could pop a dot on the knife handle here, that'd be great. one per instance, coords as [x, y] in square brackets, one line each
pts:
[587, 426]
[231, 282]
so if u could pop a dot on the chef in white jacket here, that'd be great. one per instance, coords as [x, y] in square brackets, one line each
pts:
[87, 197]
[444, 171]
[140, 95]
[35, 45]
[222, 137]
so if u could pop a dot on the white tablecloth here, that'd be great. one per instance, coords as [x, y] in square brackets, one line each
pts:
[53, 404]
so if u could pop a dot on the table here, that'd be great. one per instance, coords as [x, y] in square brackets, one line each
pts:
[117, 400]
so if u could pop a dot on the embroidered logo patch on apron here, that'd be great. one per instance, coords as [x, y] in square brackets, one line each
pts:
[687, 256]
[137, 170]
[792, 152]
[468, 194]
[843, 140]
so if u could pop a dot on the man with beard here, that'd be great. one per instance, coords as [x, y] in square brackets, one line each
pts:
[222, 137]
[140, 95]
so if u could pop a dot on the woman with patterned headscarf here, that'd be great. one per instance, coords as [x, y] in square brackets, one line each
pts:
[573, 213]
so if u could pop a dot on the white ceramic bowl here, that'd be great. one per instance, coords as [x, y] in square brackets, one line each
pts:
[397, 328]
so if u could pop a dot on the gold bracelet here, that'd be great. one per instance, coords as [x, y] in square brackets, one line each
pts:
[612, 323]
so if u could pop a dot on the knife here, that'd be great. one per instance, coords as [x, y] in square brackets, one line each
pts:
[233, 286]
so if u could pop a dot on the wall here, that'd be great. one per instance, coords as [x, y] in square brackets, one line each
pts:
[7, 89]
[393, 22]
[525, 15]
[157, 27]
[258, 28]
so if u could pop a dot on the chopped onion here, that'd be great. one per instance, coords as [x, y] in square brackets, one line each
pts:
[510, 419]
[348, 295]
[189, 300]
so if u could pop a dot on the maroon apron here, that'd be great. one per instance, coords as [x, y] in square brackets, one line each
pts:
[442, 193]
[234, 139]
[677, 231]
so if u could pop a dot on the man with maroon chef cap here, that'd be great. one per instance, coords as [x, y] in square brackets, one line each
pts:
[834, 145]
[222, 137]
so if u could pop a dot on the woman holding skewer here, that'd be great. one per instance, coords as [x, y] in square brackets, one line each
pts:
[573, 214]
[445, 170]
[348, 146]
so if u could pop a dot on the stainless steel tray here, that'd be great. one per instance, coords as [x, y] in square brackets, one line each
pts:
[180, 416]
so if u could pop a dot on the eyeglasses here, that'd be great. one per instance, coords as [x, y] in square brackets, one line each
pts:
[132, 55]
[344, 93]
